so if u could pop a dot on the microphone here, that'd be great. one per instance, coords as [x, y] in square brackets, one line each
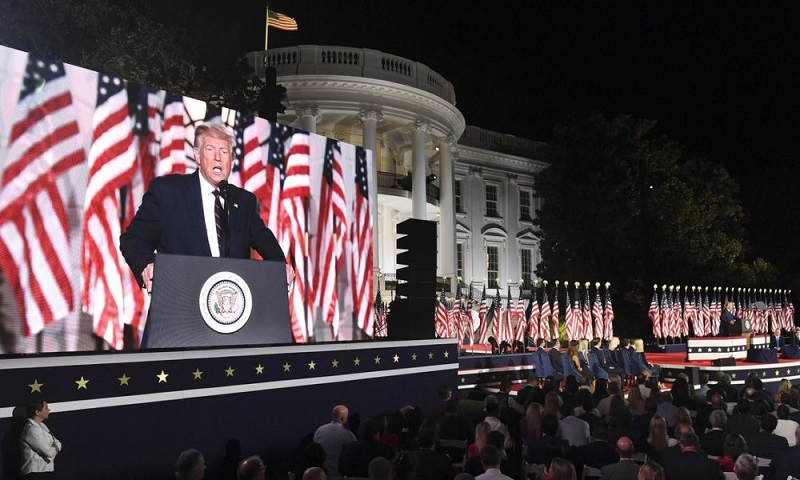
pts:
[224, 188]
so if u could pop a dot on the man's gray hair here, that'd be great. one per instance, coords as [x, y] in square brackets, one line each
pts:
[746, 467]
[718, 419]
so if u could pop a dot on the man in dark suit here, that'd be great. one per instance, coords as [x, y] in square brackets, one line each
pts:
[597, 453]
[555, 357]
[355, 456]
[786, 462]
[692, 464]
[715, 438]
[178, 213]
[626, 468]
[727, 320]
[743, 422]
[766, 444]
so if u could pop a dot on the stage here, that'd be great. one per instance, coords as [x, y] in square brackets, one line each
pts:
[478, 369]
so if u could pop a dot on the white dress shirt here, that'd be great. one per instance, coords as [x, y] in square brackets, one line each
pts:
[207, 194]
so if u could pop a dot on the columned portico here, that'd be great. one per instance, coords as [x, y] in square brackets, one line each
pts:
[369, 127]
[447, 214]
[419, 131]
[309, 116]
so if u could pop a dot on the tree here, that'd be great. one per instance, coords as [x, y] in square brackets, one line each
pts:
[622, 204]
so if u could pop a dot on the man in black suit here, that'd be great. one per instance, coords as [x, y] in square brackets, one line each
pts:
[715, 438]
[766, 444]
[743, 422]
[786, 462]
[355, 456]
[555, 357]
[597, 453]
[692, 464]
[178, 213]
[626, 468]
[727, 320]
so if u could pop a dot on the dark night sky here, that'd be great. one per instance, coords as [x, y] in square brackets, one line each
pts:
[720, 77]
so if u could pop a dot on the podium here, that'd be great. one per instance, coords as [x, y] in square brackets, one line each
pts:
[211, 302]
[741, 328]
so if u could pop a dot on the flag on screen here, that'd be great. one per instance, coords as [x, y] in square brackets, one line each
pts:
[279, 141]
[112, 163]
[249, 155]
[44, 142]
[330, 236]
[442, 318]
[172, 158]
[281, 21]
[361, 245]
[380, 329]
[293, 210]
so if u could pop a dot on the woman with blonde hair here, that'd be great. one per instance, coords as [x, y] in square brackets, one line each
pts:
[785, 386]
[657, 439]
[482, 430]
[640, 359]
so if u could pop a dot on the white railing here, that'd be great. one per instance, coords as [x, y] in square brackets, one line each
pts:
[354, 62]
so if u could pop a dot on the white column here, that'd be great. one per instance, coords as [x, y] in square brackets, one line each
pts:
[369, 125]
[419, 131]
[447, 211]
[309, 116]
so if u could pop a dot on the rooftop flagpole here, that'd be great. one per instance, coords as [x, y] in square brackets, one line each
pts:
[266, 29]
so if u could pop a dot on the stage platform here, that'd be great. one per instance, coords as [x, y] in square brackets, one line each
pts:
[479, 369]
[129, 415]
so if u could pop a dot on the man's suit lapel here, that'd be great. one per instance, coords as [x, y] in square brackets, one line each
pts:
[194, 201]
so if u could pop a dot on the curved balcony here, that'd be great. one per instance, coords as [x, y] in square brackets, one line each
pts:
[353, 62]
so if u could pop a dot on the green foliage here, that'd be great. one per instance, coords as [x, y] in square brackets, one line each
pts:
[620, 203]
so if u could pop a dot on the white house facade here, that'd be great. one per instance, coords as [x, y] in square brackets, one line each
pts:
[478, 185]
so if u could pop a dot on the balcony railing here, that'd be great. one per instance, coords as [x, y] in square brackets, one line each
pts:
[403, 182]
[353, 62]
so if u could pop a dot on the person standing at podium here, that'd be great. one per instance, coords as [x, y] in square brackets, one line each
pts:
[727, 320]
[198, 214]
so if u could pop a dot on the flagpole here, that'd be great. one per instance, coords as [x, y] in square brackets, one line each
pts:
[266, 29]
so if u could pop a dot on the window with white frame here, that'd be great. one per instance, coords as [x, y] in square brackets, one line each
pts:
[492, 266]
[457, 190]
[526, 267]
[492, 201]
[525, 213]
[460, 260]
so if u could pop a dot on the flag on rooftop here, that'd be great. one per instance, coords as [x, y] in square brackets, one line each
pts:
[280, 21]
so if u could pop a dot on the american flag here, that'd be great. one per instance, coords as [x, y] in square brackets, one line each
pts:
[717, 311]
[112, 163]
[280, 137]
[690, 313]
[173, 137]
[292, 227]
[666, 315]
[330, 236]
[655, 316]
[497, 317]
[597, 314]
[608, 316]
[483, 326]
[588, 332]
[677, 311]
[249, 155]
[380, 329]
[533, 319]
[569, 319]
[280, 21]
[556, 313]
[455, 317]
[442, 318]
[522, 322]
[468, 325]
[544, 318]
[44, 142]
[705, 314]
[789, 313]
[361, 246]
[507, 314]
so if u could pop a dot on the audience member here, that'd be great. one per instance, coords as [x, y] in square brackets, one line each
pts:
[482, 429]
[490, 459]
[666, 409]
[692, 464]
[734, 446]
[586, 410]
[453, 426]
[355, 456]
[253, 468]
[230, 462]
[560, 469]
[191, 465]
[530, 426]
[573, 430]
[766, 444]
[743, 422]
[333, 436]
[403, 467]
[614, 390]
[636, 401]
[714, 439]
[548, 445]
[785, 463]
[657, 438]
[596, 454]
[786, 427]
[552, 404]
[626, 468]
[315, 473]
[651, 470]
[495, 424]
[746, 467]
[531, 391]
[379, 469]
[702, 390]
[724, 388]
[430, 465]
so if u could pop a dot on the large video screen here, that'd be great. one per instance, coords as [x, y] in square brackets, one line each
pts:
[78, 150]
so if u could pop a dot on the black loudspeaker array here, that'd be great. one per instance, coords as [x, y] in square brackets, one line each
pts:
[412, 312]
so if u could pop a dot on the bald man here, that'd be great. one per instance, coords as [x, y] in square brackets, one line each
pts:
[332, 436]
[626, 468]
[314, 473]
[251, 468]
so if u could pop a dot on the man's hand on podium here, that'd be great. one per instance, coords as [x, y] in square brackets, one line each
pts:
[147, 277]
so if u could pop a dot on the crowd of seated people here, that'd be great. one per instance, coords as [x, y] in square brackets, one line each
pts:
[557, 430]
